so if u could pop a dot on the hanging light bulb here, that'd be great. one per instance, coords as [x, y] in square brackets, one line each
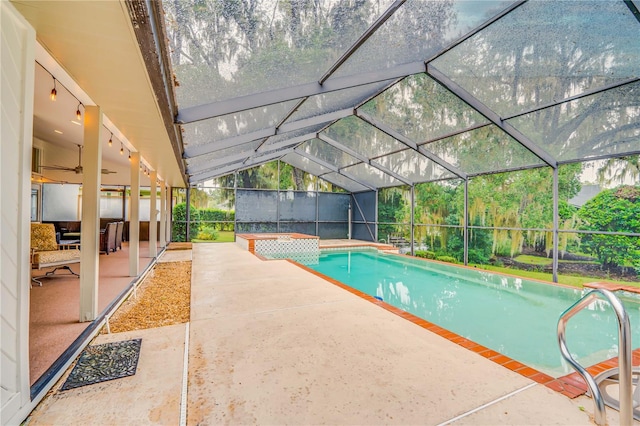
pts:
[121, 149]
[111, 139]
[54, 92]
[78, 114]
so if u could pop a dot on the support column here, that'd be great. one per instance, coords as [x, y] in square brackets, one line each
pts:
[555, 224]
[90, 237]
[169, 204]
[349, 220]
[153, 215]
[465, 231]
[413, 206]
[163, 214]
[188, 215]
[235, 201]
[134, 217]
[278, 200]
[375, 236]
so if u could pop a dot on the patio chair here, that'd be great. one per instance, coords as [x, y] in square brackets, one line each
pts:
[108, 238]
[119, 228]
[47, 253]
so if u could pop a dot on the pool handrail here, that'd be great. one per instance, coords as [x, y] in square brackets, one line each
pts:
[624, 356]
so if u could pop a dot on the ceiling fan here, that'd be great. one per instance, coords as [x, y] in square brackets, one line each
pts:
[77, 169]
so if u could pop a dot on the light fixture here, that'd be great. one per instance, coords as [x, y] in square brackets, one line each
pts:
[121, 149]
[129, 155]
[111, 139]
[54, 92]
[78, 114]
[57, 131]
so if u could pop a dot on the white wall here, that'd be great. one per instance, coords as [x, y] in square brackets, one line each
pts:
[17, 79]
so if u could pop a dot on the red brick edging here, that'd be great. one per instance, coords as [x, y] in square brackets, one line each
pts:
[571, 385]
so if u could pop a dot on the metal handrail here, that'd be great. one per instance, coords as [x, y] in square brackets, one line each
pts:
[624, 356]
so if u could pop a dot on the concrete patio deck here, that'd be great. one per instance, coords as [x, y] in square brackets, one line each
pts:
[270, 343]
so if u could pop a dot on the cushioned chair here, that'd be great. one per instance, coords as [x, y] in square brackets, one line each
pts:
[47, 253]
[108, 238]
[119, 228]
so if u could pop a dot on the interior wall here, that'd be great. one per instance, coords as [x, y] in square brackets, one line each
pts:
[56, 155]
[18, 56]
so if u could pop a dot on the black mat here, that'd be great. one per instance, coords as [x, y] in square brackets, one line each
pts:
[100, 363]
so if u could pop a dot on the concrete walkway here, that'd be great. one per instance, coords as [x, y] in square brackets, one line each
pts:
[270, 343]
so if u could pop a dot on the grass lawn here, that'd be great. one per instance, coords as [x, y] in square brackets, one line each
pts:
[533, 260]
[543, 261]
[562, 279]
[223, 237]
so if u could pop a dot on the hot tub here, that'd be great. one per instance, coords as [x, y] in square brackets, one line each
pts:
[280, 246]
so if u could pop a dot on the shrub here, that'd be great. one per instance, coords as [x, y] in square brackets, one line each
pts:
[207, 232]
[218, 216]
[449, 259]
[478, 256]
[179, 225]
[614, 210]
[425, 254]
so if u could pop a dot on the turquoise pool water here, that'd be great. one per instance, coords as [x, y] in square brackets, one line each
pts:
[513, 316]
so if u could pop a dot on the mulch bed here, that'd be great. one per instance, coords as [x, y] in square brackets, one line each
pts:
[162, 299]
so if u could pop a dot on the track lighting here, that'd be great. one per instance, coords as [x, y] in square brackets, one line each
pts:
[78, 114]
[111, 139]
[54, 92]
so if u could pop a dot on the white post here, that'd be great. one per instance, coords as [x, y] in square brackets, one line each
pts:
[153, 215]
[167, 230]
[134, 216]
[90, 237]
[163, 214]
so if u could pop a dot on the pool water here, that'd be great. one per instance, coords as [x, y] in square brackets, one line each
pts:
[513, 316]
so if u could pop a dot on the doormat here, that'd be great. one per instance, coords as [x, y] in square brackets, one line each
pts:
[104, 362]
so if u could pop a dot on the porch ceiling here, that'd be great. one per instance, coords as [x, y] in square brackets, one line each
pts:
[95, 43]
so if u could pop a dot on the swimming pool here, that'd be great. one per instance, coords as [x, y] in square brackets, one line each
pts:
[513, 316]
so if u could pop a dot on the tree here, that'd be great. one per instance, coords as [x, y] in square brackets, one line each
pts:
[391, 206]
[613, 210]
[617, 170]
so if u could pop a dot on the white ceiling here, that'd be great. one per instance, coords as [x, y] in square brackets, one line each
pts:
[90, 47]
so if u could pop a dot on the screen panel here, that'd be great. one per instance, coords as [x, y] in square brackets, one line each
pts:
[607, 123]
[225, 49]
[333, 206]
[307, 228]
[363, 231]
[523, 61]
[364, 206]
[246, 202]
[297, 206]
[333, 230]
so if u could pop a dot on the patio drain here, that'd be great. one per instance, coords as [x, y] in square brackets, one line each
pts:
[101, 363]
